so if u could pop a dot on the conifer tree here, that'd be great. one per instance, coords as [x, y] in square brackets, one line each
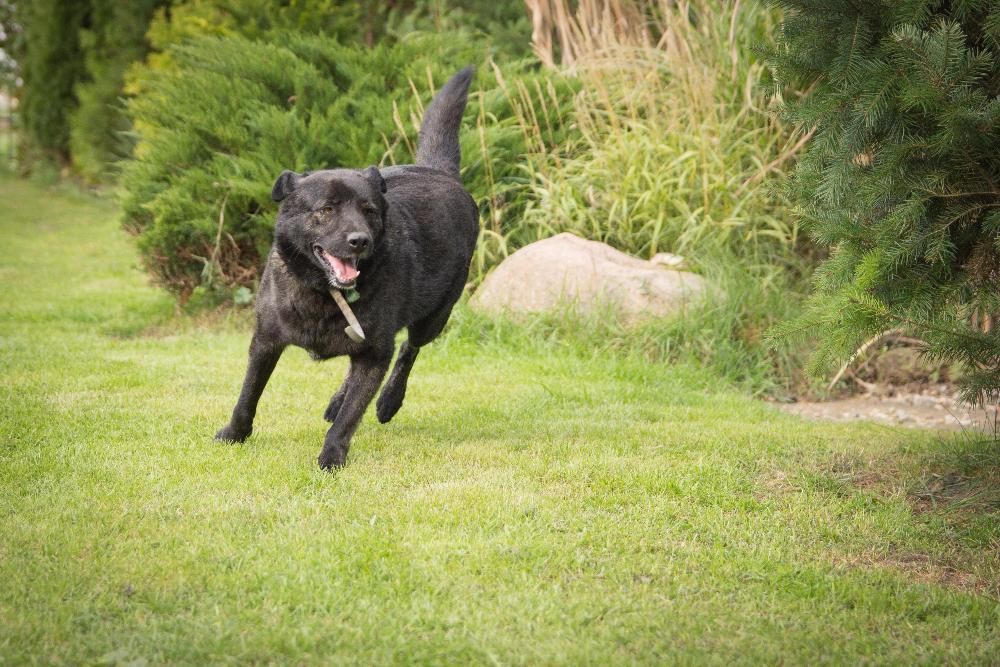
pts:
[51, 65]
[901, 180]
[114, 39]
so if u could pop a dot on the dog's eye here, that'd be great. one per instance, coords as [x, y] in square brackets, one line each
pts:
[326, 210]
[369, 209]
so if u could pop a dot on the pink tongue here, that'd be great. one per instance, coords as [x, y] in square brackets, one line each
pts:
[345, 272]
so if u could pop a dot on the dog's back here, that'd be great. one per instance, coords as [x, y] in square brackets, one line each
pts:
[443, 217]
[443, 200]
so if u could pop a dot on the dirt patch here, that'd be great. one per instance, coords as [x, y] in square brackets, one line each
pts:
[896, 383]
[954, 492]
[922, 568]
[934, 406]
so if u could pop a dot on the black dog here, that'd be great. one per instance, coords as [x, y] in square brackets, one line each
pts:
[399, 240]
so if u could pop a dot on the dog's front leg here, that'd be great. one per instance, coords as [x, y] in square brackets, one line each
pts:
[367, 372]
[264, 357]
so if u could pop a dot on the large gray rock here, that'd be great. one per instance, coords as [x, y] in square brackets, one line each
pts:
[566, 270]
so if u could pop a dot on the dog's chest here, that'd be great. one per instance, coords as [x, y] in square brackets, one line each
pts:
[316, 325]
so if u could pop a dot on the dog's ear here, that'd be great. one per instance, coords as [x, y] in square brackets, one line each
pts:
[285, 184]
[373, 175]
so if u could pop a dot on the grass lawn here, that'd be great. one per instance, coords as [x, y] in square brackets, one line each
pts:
[532, 503]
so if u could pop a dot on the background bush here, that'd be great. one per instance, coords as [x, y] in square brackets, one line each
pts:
[80, 59]
[901, 179]
[51, 63]
[219, 125]
[113, 38]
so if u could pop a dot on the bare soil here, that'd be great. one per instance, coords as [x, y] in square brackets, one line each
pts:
[936, 407]
[897, 385]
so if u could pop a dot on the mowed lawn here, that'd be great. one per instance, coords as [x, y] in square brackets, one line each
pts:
[530, 504]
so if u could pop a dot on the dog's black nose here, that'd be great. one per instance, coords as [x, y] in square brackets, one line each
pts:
[358, 241]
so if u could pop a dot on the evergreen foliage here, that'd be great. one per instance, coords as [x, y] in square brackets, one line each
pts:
[505, 24]
[218, 126]
[114, 40]
[902, 177]
[348, 21]
[79, 59]
[51, 64]
[11, 43]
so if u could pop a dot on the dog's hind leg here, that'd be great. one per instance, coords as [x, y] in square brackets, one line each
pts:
[391, 398]
[367, 373]
[264, 357]
[420, 333]
[338, 398]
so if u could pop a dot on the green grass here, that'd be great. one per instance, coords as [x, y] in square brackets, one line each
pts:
[533, 502]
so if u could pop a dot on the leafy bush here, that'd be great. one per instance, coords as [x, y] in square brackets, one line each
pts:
[504, 25]
[114, 40]
[347, 21]
[901, 178]
[50, 65]
[216, 128]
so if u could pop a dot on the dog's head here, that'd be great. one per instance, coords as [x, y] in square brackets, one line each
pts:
[330, 221]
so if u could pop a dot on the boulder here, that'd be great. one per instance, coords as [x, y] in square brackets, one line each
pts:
[566, 270]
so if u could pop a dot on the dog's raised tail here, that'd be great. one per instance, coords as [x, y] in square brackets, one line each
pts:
[438, 144]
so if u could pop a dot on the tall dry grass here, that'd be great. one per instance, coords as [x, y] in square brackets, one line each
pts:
[678, 148]
[590, 26]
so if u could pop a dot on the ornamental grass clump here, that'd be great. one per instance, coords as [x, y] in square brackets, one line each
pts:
[678, 148]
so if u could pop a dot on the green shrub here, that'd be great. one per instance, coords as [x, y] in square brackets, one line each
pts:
[217, 127]
[51, 64]
[901, 178]
[504, 25]
[347, 21]
[336, 19]
[114, 40]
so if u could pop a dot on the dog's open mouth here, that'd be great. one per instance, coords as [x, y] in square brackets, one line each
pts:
[344, 271]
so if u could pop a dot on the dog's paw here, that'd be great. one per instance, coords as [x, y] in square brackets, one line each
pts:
[332, 458]
[230, 433]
